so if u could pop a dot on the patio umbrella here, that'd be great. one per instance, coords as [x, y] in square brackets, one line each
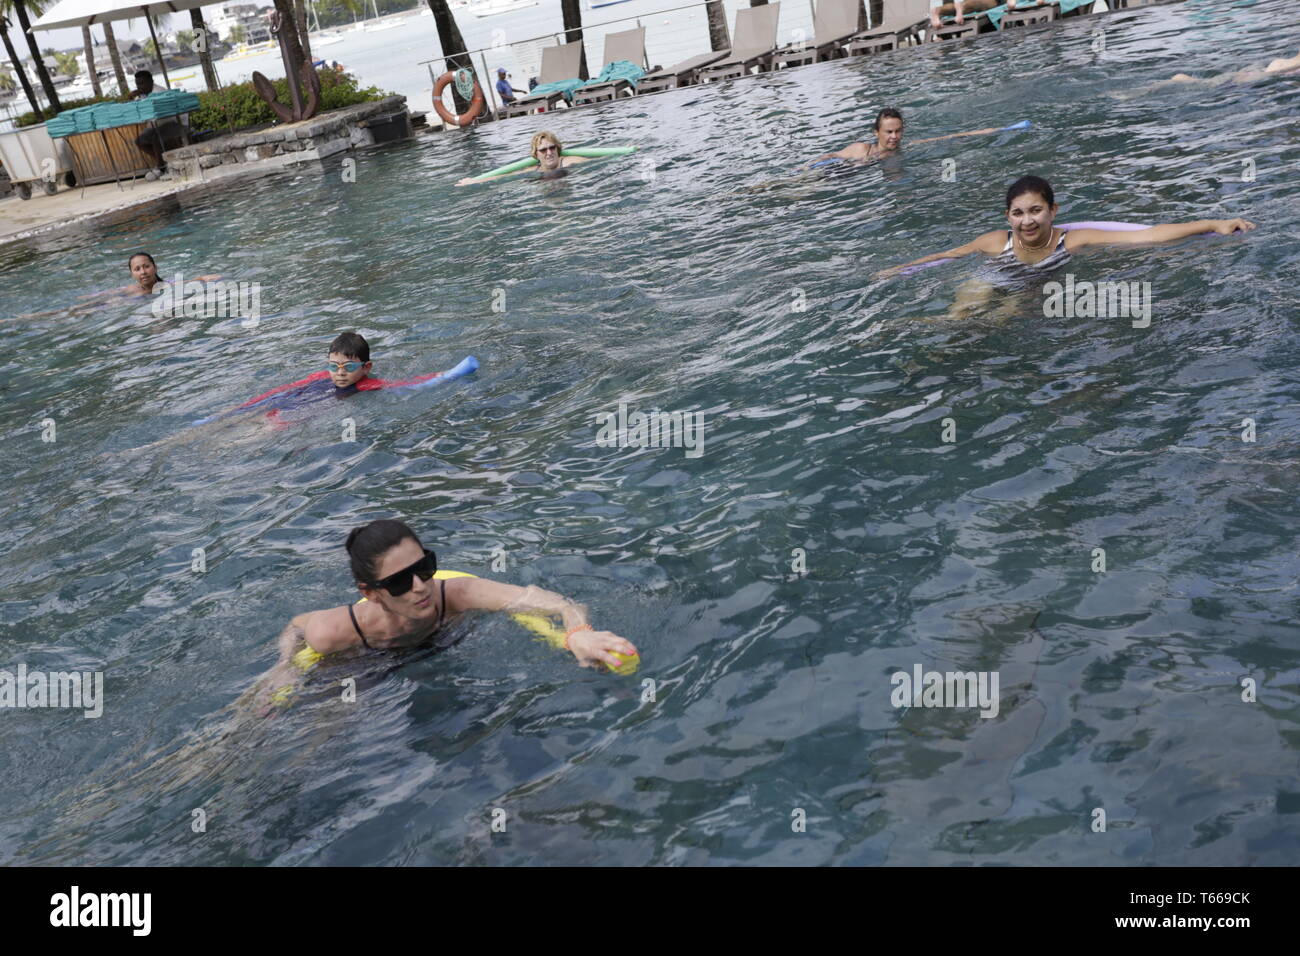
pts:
[76, 13]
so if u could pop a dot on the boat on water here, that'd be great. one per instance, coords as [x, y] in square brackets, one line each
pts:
[490, 8]
[245, 50]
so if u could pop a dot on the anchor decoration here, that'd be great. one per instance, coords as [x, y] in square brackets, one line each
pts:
[306, 78]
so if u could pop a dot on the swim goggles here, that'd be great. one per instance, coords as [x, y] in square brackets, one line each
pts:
[348, 367]
[402, 581]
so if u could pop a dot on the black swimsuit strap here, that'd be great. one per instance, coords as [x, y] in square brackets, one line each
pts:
[353, 614]
[442, 613]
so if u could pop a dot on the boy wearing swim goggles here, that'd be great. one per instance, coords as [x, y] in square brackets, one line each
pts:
[346, 372]
[349, 360]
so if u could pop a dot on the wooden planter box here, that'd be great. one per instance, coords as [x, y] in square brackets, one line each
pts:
[105, 155]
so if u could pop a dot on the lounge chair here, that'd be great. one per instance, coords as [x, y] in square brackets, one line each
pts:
[560, 63]
[1025, 15]
[973, 23]
[754, 44]
[626, 45]
[834, 21]
[684, 73]
[903, 21]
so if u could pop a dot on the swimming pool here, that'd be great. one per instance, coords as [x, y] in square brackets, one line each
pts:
[662, 282]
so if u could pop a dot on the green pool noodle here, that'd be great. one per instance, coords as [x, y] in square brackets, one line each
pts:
[587, 152]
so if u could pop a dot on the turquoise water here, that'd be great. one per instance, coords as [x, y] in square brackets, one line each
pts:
[664, 282]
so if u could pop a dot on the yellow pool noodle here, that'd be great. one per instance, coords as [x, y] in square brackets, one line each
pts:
[308, 657]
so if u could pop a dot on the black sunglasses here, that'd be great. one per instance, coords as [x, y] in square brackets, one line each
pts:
[402, 581]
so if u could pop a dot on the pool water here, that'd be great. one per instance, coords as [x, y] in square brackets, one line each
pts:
[826, 538]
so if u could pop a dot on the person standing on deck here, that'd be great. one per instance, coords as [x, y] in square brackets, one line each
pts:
[504, 89]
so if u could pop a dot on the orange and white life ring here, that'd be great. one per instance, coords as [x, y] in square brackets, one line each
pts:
[475, 103]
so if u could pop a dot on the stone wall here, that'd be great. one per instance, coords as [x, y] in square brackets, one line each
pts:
[282, 145]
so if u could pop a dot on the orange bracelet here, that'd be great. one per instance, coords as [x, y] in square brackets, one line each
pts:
[574, 630]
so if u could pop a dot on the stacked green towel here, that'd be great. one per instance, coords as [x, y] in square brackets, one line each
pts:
[108, 115]
[166, 103]
[59, 126]
[155, 106]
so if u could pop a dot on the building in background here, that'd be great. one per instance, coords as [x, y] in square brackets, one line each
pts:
[247, 15]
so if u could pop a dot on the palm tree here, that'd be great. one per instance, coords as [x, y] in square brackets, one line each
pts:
[571, 10]
[453, 47]
[300, 22]
[115, 55]
[18, 65]
[205, 54]
[90, 59]
[20, 10]
[719, 39]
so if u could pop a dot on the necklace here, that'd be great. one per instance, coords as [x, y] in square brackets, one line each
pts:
[1045, 243]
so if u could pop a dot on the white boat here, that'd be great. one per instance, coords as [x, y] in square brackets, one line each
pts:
[376, 27]
[490, 8]
[325, 40]
[80, 88]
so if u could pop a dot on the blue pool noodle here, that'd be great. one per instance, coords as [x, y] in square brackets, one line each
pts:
[466, 366]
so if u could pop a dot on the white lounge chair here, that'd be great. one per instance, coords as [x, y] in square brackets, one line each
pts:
[625, 45]
[834, 21]
[754, 46]
[903, 21]
[684, 73]
[559, 63]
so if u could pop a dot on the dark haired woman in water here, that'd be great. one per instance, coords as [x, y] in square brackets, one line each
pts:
[405, 605]
[1034, 244]
[145, 273]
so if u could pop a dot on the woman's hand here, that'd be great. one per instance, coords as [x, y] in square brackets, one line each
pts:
[594, 647]
[888, 273]
[1226, 227]
[467, 181]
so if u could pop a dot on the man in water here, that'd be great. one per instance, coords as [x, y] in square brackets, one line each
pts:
[889, 139]
[1281, 66]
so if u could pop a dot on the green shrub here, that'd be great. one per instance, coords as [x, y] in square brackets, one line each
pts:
[239, 106]
[29, 118]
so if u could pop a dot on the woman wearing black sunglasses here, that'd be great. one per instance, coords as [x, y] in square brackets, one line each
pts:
[406, 606]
